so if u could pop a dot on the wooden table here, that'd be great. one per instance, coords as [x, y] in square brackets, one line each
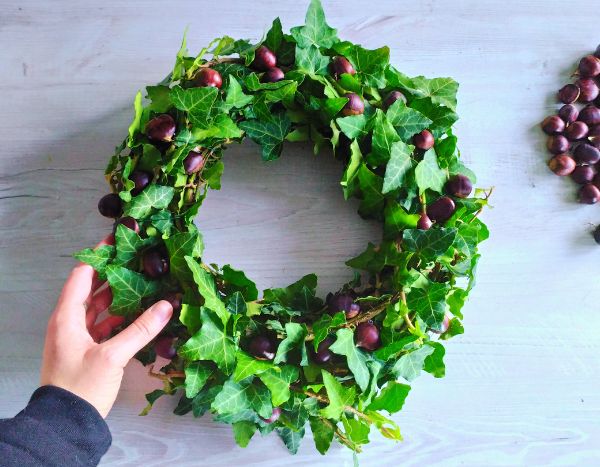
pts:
[522, 385]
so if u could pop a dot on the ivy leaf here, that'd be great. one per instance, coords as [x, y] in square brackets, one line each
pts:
[399, 164]
[397, 219]
[232, 398]
[128, 289]
[287, 295]
[222, 126]
[434, 363]
[260, 400]
[322, 434]
[98, 258]
[291, 438]
[153, 197]
[274, 37]
[160, 98]
[236, 304]
[179, 246]
[441, 91]
[211, 343]
[199, 103]
[248, 366]
[407, 122]
[235, 97]
[135, 126]
[238, 281]
[190, 317]
[270, 135]
[429, 303]
[384, 136]
[339, 397]
[295, 334]
[357, 361]
[371, 185]
[152, 397]
[442, 118]
[324, 324]
[409, 366]
[333, 106]
[243, 432]
[316, 31]
[310, 61]
[179, 67]
[279, 382]
[391, 398]
[348, 181]
[370, 65]
[428, 243]
[394, 348]
[428, 173]
[357, 430]
[196, 376]
[128, 244]
[207, 288]
[354, 126]
[163, 221]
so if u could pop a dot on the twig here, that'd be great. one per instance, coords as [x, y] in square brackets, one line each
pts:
[487, 196]
[341, 436]
[165, 376]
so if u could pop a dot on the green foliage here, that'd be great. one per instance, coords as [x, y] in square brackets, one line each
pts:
[412, 279]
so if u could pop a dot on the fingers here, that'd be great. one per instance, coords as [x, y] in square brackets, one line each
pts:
[97, 283]
[104, 328]
[76, 290]
[98, 303]
[139, 333]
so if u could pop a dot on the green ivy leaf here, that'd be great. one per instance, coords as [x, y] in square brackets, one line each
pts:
[160, 98]
[274, 37]
[409, 366]
[354, 126]
[163, 221]
[357, 430]
[279, 382]
[397, 219]
[211, 343]
[322, 434]
[309, 60]
[232, 398]
[236, 304]
[295, 334]
[222, 126]
[249, 366]
[316, 31]
[135, 126]
[384, 136]
[286, 296]
[442, 118]
[128, 245]
[407, 122]
[179, 246]
[357, 360]
[190, 317]
[199, 103]
[428, 243]
[128, 289]
[98, 258]
[391, 398]
[196, 376]
[235, 280]
[207, 288]
[399, 164]
[270, 135]
[429, 175]
[235, 97]
[429, 303]
[434, 363]
[370, 65]
[394, 348]
[348, 181]
[324, 325]
[243, 432]
[371, 185]
[339, 397]
[441, 91]
[153, 197]
[291, 438]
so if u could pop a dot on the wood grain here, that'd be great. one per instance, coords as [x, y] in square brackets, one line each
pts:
[522, 385]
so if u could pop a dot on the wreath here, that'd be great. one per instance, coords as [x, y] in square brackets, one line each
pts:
[290, 358]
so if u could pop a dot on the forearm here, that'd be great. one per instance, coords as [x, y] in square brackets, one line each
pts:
[56, 428]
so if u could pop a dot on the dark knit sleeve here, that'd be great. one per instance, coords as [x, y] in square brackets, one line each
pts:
[57, 428]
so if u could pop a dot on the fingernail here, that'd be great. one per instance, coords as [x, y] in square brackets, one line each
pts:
[163, 310]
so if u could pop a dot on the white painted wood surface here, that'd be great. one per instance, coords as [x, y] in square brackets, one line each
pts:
[522, 385]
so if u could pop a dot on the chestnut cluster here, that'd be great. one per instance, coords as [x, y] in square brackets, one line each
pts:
[574, 132]
[439, 211]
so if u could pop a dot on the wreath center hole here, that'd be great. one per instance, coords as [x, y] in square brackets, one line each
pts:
[283, 219]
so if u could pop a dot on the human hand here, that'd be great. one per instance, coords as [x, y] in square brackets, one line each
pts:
[76, 355]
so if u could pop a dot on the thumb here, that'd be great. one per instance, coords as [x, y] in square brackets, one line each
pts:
[139, 333]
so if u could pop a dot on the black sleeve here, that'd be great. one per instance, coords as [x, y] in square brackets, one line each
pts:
[57, 428]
